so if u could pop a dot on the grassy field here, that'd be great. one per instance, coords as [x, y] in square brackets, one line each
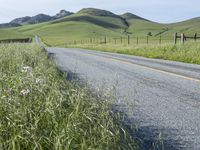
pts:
[188, 52]
[39, 109]
[11, 34]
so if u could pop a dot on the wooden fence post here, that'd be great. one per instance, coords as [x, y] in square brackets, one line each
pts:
[182, 38]
[160, 40]
[128, 39]
[105, 40]
[175, 38]
[121, 40]
[195, 36]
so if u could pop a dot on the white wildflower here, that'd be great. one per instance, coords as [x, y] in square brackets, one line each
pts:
[25, 92]
[3, 97]
[39, 81]
[27, 69]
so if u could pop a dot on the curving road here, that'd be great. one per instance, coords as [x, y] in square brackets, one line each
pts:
[161, 97]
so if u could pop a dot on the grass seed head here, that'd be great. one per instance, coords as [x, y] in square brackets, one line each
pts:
[27, 69]
[25, 92]
[39, 81]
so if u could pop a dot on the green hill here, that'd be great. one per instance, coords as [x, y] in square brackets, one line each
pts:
[140, 27]
[129, 16]
[97, 23]
[188, 26]
[77, 27]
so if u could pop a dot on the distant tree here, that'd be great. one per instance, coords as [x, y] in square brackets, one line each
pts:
[149, 34]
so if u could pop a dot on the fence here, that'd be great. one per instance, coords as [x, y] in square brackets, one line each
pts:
[184, 38]
[135, 40]
[24, 40]
[128, 40]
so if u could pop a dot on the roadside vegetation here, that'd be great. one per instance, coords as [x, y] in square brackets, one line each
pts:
[39, 109]
[188, 52]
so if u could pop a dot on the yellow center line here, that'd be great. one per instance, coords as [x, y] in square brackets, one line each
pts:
[150, 68]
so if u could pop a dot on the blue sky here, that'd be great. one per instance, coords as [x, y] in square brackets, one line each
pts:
[155, 10]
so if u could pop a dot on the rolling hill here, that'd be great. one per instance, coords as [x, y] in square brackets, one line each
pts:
[93, 23]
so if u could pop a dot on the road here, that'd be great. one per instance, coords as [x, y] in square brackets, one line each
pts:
[38, 40]
[162, 98]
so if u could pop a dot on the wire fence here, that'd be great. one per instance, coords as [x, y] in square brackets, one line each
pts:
[123, 40]
[135, 40]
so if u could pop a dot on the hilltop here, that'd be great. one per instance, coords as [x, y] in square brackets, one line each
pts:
[132, 16]
[97, 12]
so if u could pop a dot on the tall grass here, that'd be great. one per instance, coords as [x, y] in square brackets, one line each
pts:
[39, 109]
[188, 52]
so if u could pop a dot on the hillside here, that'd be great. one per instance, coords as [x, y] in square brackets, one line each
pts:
[21, 20]
[188, 26]
[129, 16]
[62, 13]
[9, 25]
[78, 26]
[68, 31]
[40, 18]
[140, 26]
[95, 23]
[11, 34]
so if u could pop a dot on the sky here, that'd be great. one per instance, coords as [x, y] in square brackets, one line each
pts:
[156, 10]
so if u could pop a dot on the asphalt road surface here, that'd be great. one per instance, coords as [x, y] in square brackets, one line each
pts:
[38, 40]
[161, 97]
